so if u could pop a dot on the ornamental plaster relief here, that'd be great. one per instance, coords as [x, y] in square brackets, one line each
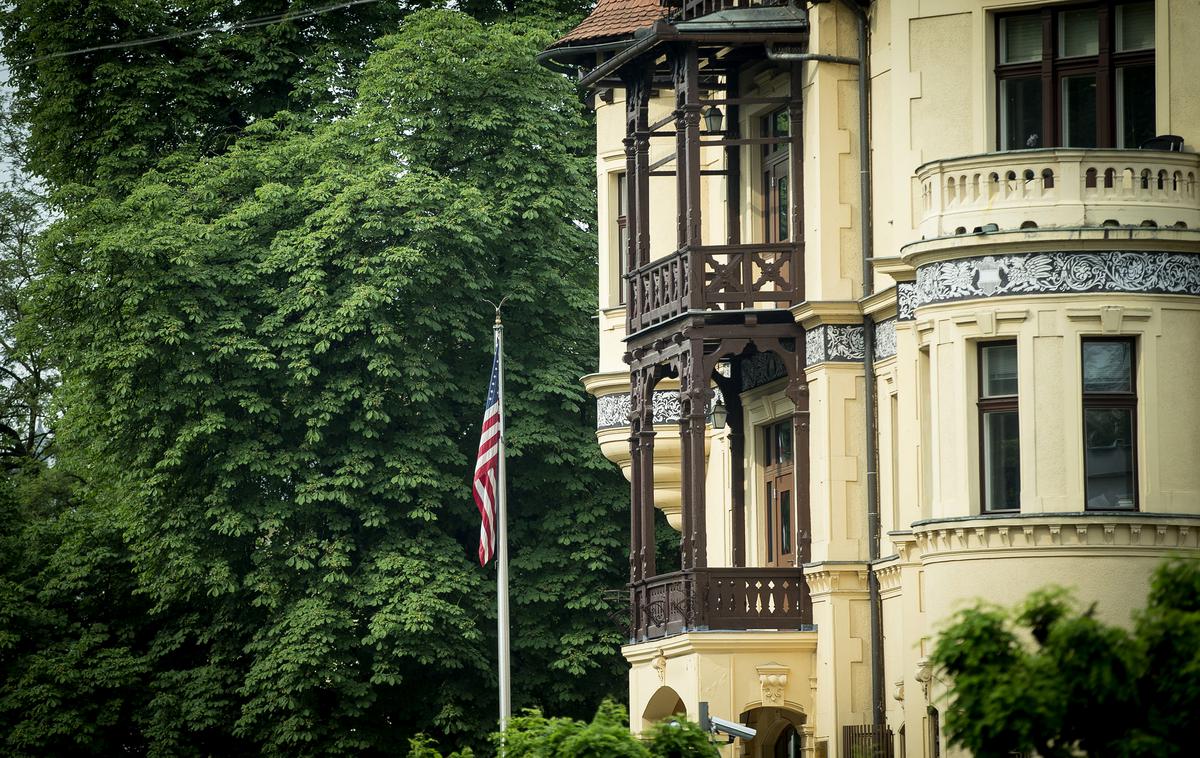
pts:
[1055, 273]
[840, 343]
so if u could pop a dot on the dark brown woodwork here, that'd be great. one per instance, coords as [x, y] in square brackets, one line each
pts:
[721, 598]
[691, 309]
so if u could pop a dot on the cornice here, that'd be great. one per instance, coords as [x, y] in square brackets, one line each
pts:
[723, 642]
[811, 313]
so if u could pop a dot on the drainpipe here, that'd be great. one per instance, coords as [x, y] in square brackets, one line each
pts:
[868, 288]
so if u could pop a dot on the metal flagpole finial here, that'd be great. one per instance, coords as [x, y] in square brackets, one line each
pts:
[497, 307]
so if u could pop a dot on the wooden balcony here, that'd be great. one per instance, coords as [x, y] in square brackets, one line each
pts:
[734, 277]
[720, 599]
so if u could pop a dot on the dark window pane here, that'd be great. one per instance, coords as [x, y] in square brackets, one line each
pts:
[1021, 38]
[781, 124]
[784, 443]
[782, 183]
[1001, 461]
[1020, 113]
[1107, 367]
[1135, 26]
[1108, 452]
[1078, 33]
[785, 522]
[768, 436]
[1135, 105]
[999, 370]
[1079, 111]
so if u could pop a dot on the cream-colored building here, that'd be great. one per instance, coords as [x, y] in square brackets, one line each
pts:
[870, 392]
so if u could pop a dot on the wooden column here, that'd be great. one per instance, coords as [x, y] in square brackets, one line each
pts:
[694, 396]
[797, 392]
[635, 480]
[646, 479]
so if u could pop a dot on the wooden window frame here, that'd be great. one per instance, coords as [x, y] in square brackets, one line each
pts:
[1052, 69]
[994, 404]
[1120, 400]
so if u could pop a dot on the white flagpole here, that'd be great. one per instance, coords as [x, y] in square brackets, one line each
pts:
[502, 545]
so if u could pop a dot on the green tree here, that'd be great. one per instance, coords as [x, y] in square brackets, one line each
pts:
[1081, 687]
[273, 364]
[104, 117]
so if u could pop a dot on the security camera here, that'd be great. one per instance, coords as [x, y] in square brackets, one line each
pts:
[731, 728]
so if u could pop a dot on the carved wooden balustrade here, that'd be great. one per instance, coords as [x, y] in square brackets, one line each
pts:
[735, 277]
[720, 598]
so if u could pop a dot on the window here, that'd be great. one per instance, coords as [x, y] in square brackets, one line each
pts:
[999, 429]
[777, 485]
[1109, 424]
[622, 234]
[775, 176]
[1076, 77]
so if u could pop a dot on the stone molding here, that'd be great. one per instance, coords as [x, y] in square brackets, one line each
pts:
[1067, 272]
[1086, 532]
[831, 578]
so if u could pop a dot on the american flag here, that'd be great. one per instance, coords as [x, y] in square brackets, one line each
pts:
[487, 465]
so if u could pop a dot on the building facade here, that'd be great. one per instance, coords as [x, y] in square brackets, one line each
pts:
[899, 309]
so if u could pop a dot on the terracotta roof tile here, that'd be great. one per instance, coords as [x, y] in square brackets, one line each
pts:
[613, 19]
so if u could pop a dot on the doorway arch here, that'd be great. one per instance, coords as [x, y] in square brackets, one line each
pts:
[663, 703]
[780, 730]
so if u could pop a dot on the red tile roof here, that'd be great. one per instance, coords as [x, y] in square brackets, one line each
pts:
[614, 19]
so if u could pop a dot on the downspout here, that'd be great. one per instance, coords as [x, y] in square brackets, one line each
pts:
[871, 406]
[868, 288]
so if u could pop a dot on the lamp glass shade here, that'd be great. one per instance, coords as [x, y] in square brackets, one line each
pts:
[719, 415]
[714, 119]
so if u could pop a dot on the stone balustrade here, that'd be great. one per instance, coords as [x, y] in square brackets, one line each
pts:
[1058, 188]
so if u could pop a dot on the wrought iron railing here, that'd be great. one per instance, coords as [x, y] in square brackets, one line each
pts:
[762, 275]
[721, 598]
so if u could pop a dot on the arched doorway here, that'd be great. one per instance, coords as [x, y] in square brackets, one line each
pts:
[787, 744]
[780, 731]
[663, 703]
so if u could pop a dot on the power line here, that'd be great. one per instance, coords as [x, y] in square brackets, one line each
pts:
[211, 28]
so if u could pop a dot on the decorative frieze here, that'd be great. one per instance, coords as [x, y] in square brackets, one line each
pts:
[613, 410]
[836, 343]
[1057, 273]
[885, 339]
[906, 301]
[761, 368]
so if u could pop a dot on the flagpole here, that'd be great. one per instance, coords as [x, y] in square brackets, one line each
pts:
[502, 543]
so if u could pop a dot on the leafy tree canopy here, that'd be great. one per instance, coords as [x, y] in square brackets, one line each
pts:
[1082, 687]
[104, 117]
[273, 364]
